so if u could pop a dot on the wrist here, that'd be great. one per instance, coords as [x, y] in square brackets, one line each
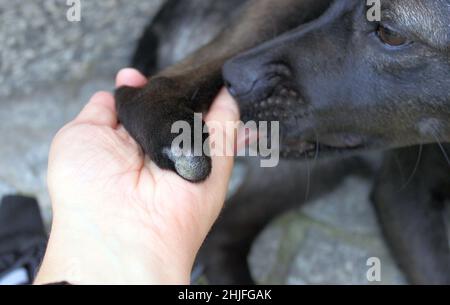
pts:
[86, 251]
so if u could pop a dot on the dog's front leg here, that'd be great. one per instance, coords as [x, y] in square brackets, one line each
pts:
[408, 200]
[190, 86]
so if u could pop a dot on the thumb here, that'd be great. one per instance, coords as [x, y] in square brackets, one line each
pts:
[222, 121]
[100, 110]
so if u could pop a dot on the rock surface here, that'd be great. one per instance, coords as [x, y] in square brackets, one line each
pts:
[41, 48]
[48, 69]
[328, 241]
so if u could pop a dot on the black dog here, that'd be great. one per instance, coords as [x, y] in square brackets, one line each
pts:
[339, 85]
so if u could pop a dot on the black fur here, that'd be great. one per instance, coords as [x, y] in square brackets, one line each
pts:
[319, 68]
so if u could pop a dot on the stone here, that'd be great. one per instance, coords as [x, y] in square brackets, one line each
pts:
[48, 70]
[328, 241]
[347, 207]
[41, 47]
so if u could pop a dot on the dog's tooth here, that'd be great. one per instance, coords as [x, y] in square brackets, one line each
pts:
[263, 104]
[271, 101]
[284, 91]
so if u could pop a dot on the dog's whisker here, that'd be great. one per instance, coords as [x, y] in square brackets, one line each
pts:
[399, 165]
[444, 152]
[308, 178]
[195, 94]
[317, 152]
[416, 167]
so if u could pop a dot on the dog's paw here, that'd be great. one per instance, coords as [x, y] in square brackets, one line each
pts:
[149, 115]
[187, 165]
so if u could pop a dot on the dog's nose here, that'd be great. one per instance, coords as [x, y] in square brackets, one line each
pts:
[239, 78]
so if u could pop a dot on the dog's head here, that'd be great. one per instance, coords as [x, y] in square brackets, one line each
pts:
[343, 83]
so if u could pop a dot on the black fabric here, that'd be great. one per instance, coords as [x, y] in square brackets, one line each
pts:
[22, 235]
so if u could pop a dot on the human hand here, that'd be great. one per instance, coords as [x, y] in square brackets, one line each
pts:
[117, 218]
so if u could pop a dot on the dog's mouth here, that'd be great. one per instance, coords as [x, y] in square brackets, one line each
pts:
[287, 106]
[335, 144]
[279, 104]
[296, 148]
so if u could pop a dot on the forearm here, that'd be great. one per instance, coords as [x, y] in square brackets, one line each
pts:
[82, 252]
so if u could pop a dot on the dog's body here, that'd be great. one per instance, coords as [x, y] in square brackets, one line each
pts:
[336, 82]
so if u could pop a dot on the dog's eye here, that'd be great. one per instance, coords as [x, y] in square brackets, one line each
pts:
[391, 37]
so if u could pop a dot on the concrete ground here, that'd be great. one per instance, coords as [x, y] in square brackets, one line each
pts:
[48, 69]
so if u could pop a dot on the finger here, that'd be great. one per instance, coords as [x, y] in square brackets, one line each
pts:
[131, 78]
[100, 110]
[222, 122]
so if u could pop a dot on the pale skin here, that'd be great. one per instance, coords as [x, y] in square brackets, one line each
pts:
[118, 218]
